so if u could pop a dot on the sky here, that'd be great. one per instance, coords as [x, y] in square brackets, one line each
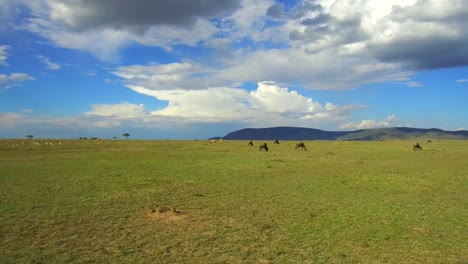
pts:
[194, 69]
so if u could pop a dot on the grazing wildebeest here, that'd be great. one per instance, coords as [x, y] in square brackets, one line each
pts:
[263, 147]
[301, 145]
[250, 143]
[417, 147]
[276, 142]
[429, 141]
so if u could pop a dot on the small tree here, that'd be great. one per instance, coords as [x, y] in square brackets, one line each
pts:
[29, 136]
[126, 135]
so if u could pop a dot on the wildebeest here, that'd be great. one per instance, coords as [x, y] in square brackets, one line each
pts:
[417, 147]
[263, 147]
[250, 143]
[276, 142]
[429, 141]
[301, 145]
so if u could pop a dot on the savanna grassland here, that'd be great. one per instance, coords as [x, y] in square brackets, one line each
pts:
[131, 201]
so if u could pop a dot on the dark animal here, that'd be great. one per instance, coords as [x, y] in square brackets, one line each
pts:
[250, 143]
[429, 141]
[301, 145]
[417, 147]
[276, 142]
[263, 147]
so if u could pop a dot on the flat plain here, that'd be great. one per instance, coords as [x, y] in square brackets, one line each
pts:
[168, 201]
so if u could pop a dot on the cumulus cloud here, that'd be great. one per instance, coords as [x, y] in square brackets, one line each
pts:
[105, 44]
[429, 34]
[167, 36]
[271, 98]
[396, 34]
[314, 71]
[323, 44]
[118, 14]
[269, 104]
[105, 27]
[390, 121]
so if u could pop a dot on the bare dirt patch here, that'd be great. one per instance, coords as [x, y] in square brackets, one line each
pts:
[424, 230]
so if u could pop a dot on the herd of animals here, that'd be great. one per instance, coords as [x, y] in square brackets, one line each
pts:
[264, 146]
[301, 145]
[417, 146]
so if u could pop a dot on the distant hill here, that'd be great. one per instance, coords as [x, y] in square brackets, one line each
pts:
[300, 133]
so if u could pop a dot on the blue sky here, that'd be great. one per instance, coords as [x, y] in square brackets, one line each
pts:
[186, 69]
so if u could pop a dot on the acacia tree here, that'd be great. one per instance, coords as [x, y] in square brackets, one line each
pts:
[126, 135]
[29, 136]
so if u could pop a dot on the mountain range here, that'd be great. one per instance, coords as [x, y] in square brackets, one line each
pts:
[301, 133]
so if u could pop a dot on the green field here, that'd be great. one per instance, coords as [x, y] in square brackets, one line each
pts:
[131, 201]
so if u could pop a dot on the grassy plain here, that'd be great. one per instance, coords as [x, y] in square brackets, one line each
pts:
[337, 202]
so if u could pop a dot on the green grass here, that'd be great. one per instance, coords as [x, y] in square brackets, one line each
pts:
[338, 202]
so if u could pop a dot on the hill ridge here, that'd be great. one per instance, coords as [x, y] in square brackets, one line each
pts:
[303, 133]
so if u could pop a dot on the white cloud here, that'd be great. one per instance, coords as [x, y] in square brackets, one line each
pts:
[106, 123]
[122, 110]
[207, 105]
[268, 105]
[12, 120]
[390, 121]
[248, 19]
[104, 29]
[105, 44]
[19, 77]
[50, 65]
[3, 54]
[323, 70]
[462, 80]
[414, 84]
[322, 44]
[13, 79]
[170, 76]
[270, 97]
